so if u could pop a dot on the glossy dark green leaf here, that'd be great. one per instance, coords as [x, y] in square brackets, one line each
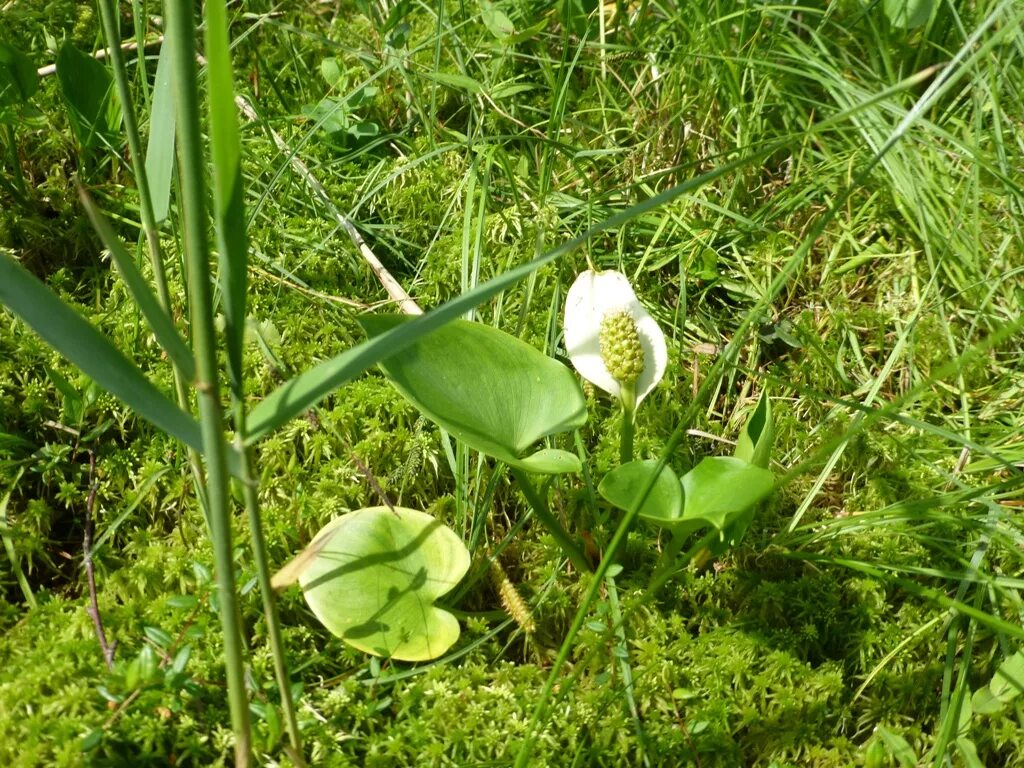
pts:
[758, 435]
[663, 504]
[721, 488]
[86, 87]
[372, 578]
[489, 389]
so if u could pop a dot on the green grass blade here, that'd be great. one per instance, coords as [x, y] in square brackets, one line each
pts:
[159, 322]
[12, 554]
[71, 335]
[228, 191]
[160, 147]
[309, 387]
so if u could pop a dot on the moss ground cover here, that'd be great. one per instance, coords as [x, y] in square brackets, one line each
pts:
[859, 247]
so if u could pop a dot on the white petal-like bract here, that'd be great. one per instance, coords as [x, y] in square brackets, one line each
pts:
[593, 296]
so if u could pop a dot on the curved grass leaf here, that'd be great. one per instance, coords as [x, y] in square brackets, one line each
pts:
[372, 576]
[77, 340]
[492, 391]
[160, 147]
[758, 435]
[228, 190]
[159, 322]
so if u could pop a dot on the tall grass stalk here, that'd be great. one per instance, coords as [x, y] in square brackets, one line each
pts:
[181, 31]
[230, 225]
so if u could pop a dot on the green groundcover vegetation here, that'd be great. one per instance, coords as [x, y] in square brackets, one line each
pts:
[852, 249]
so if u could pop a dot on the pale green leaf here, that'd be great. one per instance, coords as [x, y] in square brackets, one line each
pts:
[721, 488]
[549, 461]
[984, 702]
[497, 23]
[908, 14]
[374, 575]
[1008, 681]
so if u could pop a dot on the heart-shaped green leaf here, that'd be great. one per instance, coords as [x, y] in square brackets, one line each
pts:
[721, 488]
[372, 576]
[755, 441]
[623, 485]
[494, 392]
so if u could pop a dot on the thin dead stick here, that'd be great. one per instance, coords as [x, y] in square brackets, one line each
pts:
[90, 573]
[50, 69]
[393, 287]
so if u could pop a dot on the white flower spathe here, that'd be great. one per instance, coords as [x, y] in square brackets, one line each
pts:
[592, 297]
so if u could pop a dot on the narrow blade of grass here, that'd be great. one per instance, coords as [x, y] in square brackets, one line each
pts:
[160, 147]
[75, 338]
[159, 322]
[228, 191]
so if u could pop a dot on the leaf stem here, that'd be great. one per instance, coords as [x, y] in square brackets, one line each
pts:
[668, 557]
[112, 32]
[540, 510]
[270, 612]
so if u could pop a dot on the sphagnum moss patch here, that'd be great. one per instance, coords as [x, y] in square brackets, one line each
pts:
[824, 637]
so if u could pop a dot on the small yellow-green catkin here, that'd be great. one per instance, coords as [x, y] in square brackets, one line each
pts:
[512, 601]
[620, 347]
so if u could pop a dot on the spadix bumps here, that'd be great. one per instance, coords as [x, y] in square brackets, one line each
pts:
[620, 346]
